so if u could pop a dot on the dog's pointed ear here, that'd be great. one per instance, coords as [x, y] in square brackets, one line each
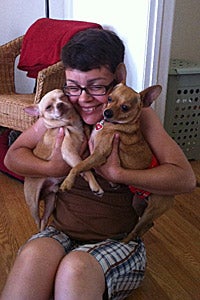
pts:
[32, 110]
[150, 94]
[120, 73]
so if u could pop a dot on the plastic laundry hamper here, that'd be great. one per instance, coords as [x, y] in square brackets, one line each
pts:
[182, 114]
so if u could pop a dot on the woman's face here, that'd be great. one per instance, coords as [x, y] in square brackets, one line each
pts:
[89, 106]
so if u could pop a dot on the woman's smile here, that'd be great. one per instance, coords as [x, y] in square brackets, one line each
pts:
[90, 114]
[88, 109]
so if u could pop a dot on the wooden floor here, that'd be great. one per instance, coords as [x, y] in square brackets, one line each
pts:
[173, 245]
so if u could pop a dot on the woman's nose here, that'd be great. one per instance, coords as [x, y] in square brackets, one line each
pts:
[84, 97]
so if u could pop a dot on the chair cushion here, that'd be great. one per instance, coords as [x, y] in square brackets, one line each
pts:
[44, 40]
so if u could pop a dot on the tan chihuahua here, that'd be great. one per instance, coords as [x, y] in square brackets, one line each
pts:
[57, 111]
[122, 116]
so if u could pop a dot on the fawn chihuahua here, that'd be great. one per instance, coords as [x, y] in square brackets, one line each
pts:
[122, 116]
[57, 111]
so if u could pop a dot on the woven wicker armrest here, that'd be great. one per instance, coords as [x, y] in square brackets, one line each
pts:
[12, 104]
[8, 54]
[48, 79]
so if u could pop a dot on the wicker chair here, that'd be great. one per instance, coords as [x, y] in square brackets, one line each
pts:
[12, 105]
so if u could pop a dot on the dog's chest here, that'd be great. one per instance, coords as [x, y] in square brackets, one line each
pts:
[46, 144]
[100, 133]
[134, 152]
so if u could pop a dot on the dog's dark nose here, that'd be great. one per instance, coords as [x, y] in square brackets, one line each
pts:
[108, 113]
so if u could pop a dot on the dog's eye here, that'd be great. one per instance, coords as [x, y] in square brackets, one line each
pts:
[109, 99]
[48, 107]
[124, 108]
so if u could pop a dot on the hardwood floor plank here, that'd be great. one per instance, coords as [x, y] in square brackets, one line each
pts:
[169, 268]
[16, 224]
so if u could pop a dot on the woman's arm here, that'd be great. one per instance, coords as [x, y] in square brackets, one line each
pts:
[174, 174]
[21, 160]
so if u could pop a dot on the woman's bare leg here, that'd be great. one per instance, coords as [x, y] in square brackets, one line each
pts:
[79, 276]
[33, 274]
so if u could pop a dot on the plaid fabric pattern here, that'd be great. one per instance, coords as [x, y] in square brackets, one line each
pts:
[123, 264]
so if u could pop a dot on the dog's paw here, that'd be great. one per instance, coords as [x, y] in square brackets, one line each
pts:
[95, 187]
[114, 186]
[66, 185]
[99, 192]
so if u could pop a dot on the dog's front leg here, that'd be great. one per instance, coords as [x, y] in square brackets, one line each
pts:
[93, 184]
[72, 157]
[94, 160]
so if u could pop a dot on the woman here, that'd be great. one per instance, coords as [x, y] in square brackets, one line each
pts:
[80, 255]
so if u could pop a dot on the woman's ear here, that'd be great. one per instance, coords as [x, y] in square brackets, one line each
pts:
[120, 73]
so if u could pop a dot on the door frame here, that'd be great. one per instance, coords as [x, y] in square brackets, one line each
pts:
[161, 16]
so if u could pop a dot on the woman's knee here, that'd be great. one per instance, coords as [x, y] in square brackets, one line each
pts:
[40, 249]
[79, 261]
[79, 264]
[34, 270]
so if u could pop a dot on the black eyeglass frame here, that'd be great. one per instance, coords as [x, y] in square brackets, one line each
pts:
[85, 88]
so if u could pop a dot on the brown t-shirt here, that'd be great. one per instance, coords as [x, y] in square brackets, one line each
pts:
[84, 216]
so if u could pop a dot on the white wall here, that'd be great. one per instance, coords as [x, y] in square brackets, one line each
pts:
[186, 30]
[16, 16]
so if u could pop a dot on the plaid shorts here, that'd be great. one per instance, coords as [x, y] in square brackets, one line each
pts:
[123, 264]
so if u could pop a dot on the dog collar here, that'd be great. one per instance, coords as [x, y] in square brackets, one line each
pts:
[99, 125]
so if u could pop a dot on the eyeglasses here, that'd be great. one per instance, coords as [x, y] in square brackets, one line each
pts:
[93, 90]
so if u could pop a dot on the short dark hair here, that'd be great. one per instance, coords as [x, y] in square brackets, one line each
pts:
[93, 48]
